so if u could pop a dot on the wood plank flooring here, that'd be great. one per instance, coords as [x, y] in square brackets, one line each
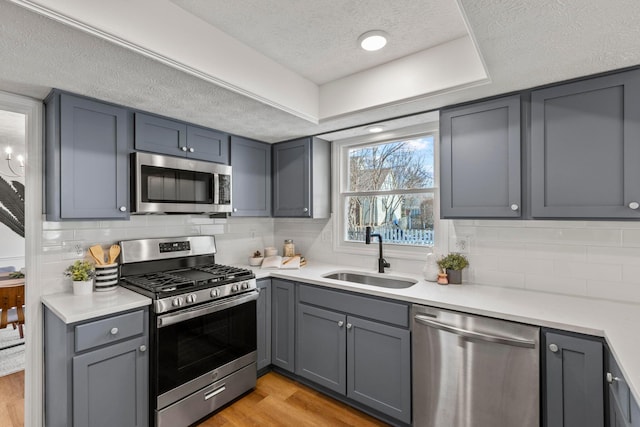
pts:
[12, 400]
[276, 401]
[280, 401]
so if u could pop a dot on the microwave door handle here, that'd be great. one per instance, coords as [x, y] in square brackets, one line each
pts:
[216, 189]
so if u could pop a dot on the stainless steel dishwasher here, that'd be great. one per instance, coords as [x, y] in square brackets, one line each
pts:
[472, 371]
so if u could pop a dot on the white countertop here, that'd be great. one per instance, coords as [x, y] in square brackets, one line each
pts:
[75, 308]
[617, 322]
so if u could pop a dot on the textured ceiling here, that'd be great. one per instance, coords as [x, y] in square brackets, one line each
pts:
[319, 39]
[524, 43]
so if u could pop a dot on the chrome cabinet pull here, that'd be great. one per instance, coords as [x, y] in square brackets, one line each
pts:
[214, 393]
[305, 210]
[122, 208]
[340, 323]
[114, 331]
[515, 207]
[349, 325]
[191, 149]
[634, 205]
[553, 348]
[183, 148]
[143, 348]
[611, 379]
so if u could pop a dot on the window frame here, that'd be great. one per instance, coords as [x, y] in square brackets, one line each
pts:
[340, 193]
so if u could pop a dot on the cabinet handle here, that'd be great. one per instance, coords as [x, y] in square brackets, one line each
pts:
[122, 208]
[191, 149]
[515, 207]
[235, 209]
[340, 323]
[554, 348]
[611, 379]
[305, 210]
[114, 331]
[634, 205]
[349, 325]
[184, 149]
[143, 348]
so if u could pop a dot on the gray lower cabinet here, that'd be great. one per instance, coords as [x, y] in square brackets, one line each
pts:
[574, 379]
[623, 407]
[251, 168]
[264, 324]
[175, 138]
[301, 178]
[365, 359]
[97, 371]
[480, 160]
[585, 149]
[87, 145]
[283, 324]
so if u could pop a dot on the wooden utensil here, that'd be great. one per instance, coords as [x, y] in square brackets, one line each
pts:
[97, 254]
[114, 253]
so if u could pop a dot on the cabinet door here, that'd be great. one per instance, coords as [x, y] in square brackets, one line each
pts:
[292, 178]
[321, 347]
[480, 160]
[207, 144]
[111, 386]
[264, 323]
[379, 367]
[574, 381]
[94, 162]
[251, 168]
[283, 324]
[159, 135]
[585, 149]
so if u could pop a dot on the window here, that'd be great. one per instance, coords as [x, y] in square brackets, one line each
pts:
[390, 186]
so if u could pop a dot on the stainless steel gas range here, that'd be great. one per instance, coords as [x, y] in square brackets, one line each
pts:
[203, 325]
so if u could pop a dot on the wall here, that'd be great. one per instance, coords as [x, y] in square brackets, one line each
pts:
[236, 239]
[12, 247]
[599, 259]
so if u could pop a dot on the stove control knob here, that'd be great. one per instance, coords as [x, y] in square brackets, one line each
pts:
[177, 302]
[191, 298]
[234, 288]
[215, 293]
[245, 285]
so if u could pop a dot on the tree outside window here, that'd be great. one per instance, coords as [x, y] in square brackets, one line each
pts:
[391, 188]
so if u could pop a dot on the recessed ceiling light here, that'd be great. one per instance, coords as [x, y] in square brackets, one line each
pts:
[373, 40]
[375, 128]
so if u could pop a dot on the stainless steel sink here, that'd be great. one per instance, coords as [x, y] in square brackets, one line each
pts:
[372, 280]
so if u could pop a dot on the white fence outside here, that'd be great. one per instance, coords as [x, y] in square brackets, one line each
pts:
[395, 235]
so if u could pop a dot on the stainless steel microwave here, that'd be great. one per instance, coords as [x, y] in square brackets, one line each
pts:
[165, 184]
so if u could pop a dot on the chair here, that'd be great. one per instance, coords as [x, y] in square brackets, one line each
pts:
[11, 304]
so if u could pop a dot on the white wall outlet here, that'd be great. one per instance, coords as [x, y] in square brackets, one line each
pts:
[73, 248]
[462, 244]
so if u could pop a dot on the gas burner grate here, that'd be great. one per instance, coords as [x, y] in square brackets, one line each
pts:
[159, 282]
[224, 272]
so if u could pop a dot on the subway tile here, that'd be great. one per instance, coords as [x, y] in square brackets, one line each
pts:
[589, 271]
[631, 273]
[498, 278]
[55, 237]
[631, 238]
[484, 262]
[614, 291]
[556, 252]
[212, 229]
[554, 284]
[622, 255]
[525, 265]
[496, 248]
[555, 224]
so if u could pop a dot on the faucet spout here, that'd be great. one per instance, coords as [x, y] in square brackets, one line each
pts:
[382, 263]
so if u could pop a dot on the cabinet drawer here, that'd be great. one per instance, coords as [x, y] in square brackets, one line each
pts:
[380, 310]
[109, 330]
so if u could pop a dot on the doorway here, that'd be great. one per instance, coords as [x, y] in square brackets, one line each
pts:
[21, 225]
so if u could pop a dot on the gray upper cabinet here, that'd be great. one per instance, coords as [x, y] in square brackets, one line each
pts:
[87, 159]
[283, 307]
[574, 381]
[480, 175]
[301, 178]
[97, 371]
[585, 149]
[251, 168]
[166, 136]
[264, 324]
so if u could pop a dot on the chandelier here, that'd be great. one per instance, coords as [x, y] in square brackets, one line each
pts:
[16, 166]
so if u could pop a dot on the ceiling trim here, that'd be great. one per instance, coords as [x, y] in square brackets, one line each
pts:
[27, 4]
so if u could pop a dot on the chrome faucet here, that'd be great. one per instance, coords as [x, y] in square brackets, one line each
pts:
[382, 263]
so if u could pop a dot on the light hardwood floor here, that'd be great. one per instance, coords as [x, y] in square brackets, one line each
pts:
[276, 401]
[280, 401]
[12, 400]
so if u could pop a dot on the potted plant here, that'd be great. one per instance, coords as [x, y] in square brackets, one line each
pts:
[256, 259]
[452, 265]
[81, 274]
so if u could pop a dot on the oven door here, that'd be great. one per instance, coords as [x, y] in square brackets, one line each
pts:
[199, 345]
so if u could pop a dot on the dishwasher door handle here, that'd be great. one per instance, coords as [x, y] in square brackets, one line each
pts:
[475, 335]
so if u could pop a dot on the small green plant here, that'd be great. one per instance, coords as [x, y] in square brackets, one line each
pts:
[80, 271]
[16, 275]
[453, 261]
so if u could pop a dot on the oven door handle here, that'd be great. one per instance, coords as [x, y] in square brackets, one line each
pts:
[181, 316]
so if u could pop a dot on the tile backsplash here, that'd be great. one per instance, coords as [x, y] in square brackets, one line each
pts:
[599, 259]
